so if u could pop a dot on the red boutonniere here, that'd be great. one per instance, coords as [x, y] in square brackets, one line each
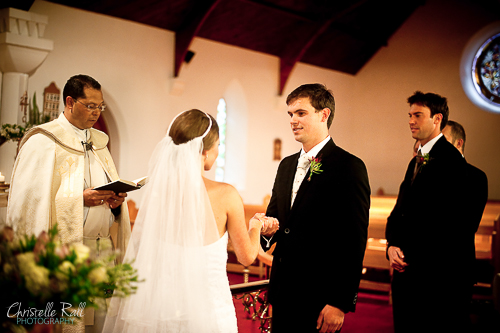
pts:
[315, 167]
[423, 160]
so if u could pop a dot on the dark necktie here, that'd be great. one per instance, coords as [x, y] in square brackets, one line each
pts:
[418, 164]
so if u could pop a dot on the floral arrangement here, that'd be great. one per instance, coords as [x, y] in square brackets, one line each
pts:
[315, 167]
[423, 160]
[12, 132]
[15, 132]
[41, 273]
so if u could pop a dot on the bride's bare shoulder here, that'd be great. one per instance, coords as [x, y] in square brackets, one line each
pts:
[221, 190]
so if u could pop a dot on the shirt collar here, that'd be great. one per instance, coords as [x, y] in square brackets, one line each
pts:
[82, 134]
[316, 149]
[425, 149]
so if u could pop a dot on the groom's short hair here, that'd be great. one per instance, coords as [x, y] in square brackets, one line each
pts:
[319, 96]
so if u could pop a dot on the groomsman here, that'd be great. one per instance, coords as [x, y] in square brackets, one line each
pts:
[428, 231]
[478, 186]
[322, 207]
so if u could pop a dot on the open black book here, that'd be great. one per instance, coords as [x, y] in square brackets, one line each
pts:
[123, 186]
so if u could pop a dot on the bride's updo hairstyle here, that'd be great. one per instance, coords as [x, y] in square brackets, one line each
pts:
[192, 124]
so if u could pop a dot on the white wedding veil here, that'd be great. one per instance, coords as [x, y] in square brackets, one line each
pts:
[174, 223]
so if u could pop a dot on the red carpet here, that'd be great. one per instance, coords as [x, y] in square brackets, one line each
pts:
[373, 313]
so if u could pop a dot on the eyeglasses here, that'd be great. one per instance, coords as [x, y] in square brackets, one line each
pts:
[92, 107]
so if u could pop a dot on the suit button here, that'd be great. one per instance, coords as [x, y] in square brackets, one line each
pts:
[287, 231]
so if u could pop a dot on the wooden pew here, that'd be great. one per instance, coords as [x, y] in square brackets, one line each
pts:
[381, 207]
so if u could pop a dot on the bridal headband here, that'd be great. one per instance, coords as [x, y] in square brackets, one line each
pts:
[204, 134]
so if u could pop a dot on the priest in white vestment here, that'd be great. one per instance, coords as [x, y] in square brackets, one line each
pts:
[58, 165]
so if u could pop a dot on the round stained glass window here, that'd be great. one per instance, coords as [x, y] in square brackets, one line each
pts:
[486, 70]
[480, 68]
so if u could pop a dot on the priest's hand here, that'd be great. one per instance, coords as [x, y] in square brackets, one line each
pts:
[116, 200]
[330, 319]
[396, 258]
[93, 197]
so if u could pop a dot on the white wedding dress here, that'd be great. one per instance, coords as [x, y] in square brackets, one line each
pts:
[177, 251]
[218, 284]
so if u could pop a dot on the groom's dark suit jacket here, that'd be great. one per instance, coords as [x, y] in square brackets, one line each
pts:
[433, 222]
[322, 238]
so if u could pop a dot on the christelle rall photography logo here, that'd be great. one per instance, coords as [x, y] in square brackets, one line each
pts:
[50, 315]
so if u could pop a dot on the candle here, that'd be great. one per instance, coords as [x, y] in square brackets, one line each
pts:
[2, 178]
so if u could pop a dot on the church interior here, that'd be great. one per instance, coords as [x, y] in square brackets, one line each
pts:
[238, 60]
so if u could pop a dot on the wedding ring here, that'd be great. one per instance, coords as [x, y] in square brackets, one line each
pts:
[102, 201]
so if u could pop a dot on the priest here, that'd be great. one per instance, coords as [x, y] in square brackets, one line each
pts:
[58, 166]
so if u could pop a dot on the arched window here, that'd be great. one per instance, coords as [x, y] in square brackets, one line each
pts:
[221, 159]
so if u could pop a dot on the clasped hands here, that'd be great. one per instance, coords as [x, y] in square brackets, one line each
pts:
[269, 224]
[93, 197]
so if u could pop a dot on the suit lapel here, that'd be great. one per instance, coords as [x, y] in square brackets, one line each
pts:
[435, 152]
[289, 180]
[303, 189]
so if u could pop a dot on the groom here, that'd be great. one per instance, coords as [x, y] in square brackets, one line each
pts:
[323, 213]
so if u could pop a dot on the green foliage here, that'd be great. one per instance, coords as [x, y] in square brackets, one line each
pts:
[36, 271]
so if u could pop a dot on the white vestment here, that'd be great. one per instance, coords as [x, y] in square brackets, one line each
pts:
[48, 182]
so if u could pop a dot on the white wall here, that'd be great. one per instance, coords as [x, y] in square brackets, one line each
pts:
[134, 64]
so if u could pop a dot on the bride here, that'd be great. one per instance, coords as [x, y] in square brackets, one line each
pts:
[179, 241]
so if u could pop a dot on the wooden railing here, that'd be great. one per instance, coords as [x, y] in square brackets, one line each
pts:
[253, 296]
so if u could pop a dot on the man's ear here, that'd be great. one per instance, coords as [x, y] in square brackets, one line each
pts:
[325, 113]
[438, 117]
[70, 101]
[460, 143]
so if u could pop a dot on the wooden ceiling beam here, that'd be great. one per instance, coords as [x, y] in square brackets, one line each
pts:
[287, 63]
[280, 10]
[184, 36]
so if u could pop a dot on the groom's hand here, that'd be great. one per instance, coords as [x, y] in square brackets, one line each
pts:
[330, 319]
[270, 226]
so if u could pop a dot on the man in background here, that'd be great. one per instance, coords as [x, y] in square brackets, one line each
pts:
[455, 134]
[427, 232]
[477, 186]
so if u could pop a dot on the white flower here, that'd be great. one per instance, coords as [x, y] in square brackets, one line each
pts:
[82, 252]
[7, 268]
[98, 275]
[66, 267]
[36, 277]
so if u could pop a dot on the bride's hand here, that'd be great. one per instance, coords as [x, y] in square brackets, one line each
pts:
[270, 226]
[257, 221]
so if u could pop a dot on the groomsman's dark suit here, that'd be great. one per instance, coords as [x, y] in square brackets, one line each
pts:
[476, 201]
[321, 241]
[430, 223]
